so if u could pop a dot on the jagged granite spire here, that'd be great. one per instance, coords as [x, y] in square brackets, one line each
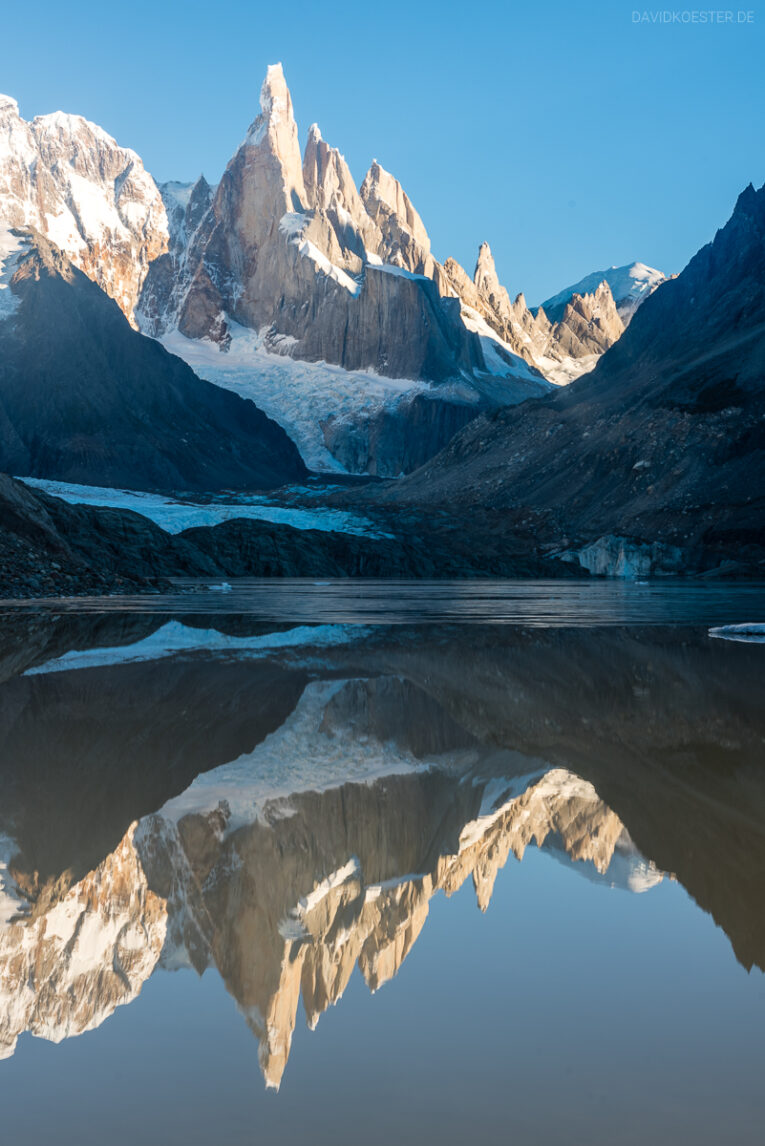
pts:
[405, 241]
[273, 138]
[485, 275]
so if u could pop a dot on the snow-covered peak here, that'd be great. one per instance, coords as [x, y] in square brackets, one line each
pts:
[274, 94]
[177, 192]
[599, 297]
[314, 134]
[630, 285]
[68, 178]
[64, 970]
[274, 85]
[64, 126]
[8, 105]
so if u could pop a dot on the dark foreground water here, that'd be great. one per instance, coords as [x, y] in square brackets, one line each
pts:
[356, 863]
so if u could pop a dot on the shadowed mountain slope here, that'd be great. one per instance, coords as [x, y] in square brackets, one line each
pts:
[85, 398]
[663, 442]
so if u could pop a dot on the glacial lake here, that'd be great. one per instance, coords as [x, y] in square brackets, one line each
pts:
[341, 862]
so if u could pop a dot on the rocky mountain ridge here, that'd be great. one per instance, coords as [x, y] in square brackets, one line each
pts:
[288, 247]
[350, 235]
[287, 250]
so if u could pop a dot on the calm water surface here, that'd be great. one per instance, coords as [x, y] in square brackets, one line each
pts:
[352, 862]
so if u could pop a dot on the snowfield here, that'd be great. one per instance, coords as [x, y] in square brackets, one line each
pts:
[561, 372]
[174, 515]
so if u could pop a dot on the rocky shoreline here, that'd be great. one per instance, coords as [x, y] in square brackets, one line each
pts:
[49, 548]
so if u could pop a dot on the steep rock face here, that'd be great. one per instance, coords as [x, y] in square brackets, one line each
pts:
[186, 206]
[588, 326]
[663, 441]
[330, 190]
[327, 274]
[85, 398]
[486, 281]
[275, 254]
[404, 241]
[485, 297]
[69, 180]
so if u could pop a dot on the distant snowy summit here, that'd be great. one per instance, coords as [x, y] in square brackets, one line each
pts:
[630, 286]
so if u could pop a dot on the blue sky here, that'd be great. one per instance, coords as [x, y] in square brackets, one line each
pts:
[567, 135]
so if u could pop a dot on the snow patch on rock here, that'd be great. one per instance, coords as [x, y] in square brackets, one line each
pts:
[175, 515]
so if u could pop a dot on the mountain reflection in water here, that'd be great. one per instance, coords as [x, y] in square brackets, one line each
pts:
[285, 809]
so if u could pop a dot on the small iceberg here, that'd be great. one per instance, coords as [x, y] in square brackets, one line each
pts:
[224, 587]
[752, 631]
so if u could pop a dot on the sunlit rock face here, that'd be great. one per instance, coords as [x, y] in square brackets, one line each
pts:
[69, 180]
[586, 325]
[289, 247]
[68, 957]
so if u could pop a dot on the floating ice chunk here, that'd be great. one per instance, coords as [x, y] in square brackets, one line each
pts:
[753, 631]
